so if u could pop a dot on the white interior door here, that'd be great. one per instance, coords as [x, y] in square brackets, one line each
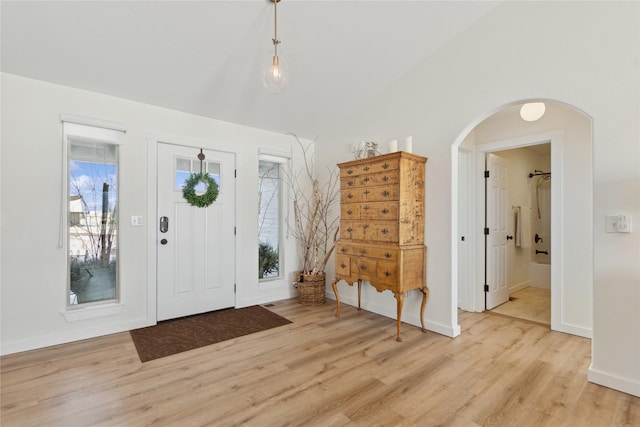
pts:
[497, 220]
[196, 251]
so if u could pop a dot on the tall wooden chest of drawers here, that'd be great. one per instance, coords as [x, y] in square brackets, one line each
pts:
[382, 227]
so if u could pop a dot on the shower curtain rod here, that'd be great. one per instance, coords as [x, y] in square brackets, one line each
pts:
[531, 175]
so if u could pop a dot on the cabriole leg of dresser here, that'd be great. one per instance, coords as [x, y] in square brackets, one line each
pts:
[400, 298]
[425, 297]
[334, 285]
[359, 292]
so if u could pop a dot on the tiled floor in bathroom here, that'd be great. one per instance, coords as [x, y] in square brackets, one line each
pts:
[530, 303]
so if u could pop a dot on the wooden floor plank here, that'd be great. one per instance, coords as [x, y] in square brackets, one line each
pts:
[321, 370]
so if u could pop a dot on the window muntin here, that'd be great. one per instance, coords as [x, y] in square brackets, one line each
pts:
[185, 167]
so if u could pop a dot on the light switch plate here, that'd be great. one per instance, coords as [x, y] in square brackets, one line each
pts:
[618, 223]
[137, 221]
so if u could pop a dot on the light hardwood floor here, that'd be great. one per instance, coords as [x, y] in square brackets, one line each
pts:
[323, 371]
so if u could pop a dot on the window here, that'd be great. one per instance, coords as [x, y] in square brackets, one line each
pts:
[185, 167]
[270, 202]
[92, 215]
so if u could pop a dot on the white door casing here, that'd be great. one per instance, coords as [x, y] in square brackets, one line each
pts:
[497, 206]
[196, 254]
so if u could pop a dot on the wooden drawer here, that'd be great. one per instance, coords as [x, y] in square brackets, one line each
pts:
[364, 268]
[387, 272]
[375, 165]
[373, 210]
[370, 251]
[368, 180]
[380, 193]
[382, 231]
[343, 265]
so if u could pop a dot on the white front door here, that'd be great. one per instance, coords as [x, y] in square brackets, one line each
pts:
[195, 246]
[497, 221]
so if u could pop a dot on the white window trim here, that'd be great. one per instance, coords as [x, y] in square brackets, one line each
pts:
[79, 127]
[284, 159]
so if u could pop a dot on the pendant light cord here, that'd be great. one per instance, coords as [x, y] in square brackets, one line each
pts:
[275, 26]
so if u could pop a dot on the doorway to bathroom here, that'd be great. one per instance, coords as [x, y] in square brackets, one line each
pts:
[567, 134]
[518, 221]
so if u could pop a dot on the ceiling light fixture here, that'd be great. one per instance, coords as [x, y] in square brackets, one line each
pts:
[274, 74]
[532, 111]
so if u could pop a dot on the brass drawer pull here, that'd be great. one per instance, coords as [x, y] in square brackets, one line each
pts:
[385, 178]
[385, 211]
[386, 254]
[385, 166]
[349, 196]
[343, 250]
[367, 179]
[366, 207]
[349, 171]
[343, 265]
[366, 168]
[363, 251]
[349, 212]
[385, 193]
[386, 273]
[363, 267]
[349, 230]
[365, 226]
[367, 191]
[384, 231]
[349, 182]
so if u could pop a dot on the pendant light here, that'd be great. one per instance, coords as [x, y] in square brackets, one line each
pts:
[532, 111]
[274, 72]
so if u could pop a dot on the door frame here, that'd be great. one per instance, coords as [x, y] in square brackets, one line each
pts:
[153, 140]
[555, 138]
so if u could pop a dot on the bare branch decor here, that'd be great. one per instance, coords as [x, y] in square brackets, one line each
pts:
[315, 226]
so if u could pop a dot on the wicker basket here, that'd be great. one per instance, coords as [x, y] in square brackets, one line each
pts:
[311, 289]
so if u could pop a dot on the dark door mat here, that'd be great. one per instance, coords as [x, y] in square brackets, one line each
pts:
[186, 333]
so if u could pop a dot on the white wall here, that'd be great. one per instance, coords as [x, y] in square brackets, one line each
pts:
[33, 276]
[521, 51]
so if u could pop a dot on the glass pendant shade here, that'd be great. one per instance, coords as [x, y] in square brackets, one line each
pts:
[274, 73]
[532, 111]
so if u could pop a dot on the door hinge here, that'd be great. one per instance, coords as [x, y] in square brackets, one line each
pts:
[486, 287]
[234, 230]
[235, 173]
[486, 174]
[234, 288]
[486, 231]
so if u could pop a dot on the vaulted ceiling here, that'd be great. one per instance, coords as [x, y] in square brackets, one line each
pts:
[204, 57]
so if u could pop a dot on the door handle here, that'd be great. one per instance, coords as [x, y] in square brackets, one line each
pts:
[509, 237]
[164, 224]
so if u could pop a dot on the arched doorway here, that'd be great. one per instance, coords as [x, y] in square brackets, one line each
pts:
[568, 131]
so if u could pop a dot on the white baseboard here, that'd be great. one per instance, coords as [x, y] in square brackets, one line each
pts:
[410, 318]
[612, 381]
[33, 343]
[571, 329]
[518, 287]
